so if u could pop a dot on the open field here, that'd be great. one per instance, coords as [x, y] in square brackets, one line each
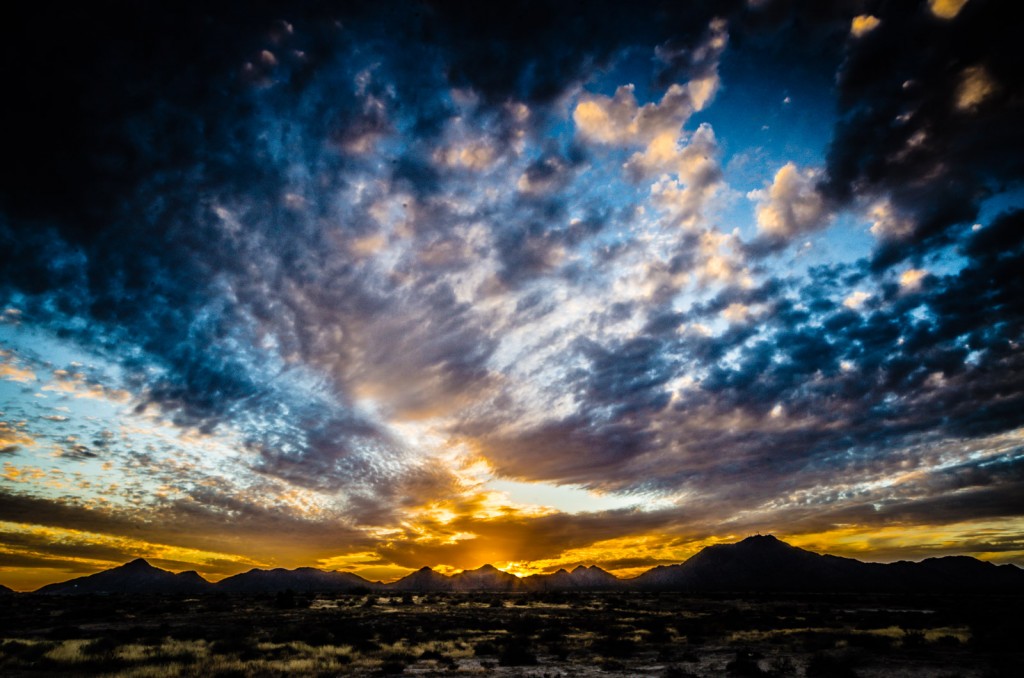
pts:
[550, 634]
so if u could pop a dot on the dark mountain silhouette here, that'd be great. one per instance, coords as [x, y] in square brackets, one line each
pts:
[423, 579]
[486, 578]
[138, 576]
[755, 564]
[304, 579]
[761, 563]
[4, 590]
[764, 563]
[591, 578]
[958, 573]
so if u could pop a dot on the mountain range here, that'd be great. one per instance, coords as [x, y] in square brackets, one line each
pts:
[755, 564]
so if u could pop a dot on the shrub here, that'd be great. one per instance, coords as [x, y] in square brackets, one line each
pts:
[616, 643]
[517, 653]
[827, 666]
[745, 664]
[913, 639]
[677, 672]
[104, 645]
[65, 633]
[392, 667]
[485, 648]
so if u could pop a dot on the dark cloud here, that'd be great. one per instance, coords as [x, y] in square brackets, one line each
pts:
[531, 51]
[269, 533]
[929, 116]
[44, 548]
[808, 389]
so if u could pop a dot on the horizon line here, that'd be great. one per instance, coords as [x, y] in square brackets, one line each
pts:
[488, 564]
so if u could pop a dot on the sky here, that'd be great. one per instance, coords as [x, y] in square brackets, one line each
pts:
[394, 284]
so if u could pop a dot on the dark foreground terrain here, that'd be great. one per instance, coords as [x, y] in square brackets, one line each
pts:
[502, 634]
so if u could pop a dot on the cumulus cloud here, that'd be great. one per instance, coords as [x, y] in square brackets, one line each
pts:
[791, 206]
[692, 175]
[619, 119]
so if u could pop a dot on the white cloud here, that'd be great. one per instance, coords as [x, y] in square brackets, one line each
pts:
[474, 155]
[911, 278]
[887, 223]
[697, 176]
[620, 120]
[856, 300]
[791, 205]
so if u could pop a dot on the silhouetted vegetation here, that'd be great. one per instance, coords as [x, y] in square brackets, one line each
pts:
[536, 634]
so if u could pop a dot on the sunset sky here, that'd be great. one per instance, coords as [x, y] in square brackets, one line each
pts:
[534, 284]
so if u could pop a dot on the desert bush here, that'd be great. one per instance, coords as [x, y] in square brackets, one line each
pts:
[616, 643]
[485, 648]
[392, 667]
[25, 651]
[869, 641]
[829, 666]
[745, 664]
[560, 650]
[783, 667]
[64, 633]
[913, 639]
[102, 645]
[242, 645]
[677, 672]
[657, 630]
[517, 652]
[319, 637]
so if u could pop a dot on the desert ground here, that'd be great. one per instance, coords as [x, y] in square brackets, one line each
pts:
[531, 634]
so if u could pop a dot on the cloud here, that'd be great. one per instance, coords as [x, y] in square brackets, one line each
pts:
[308, 268]
[791, 206]
[930, 130]
[863, 24]
[694, 163]
[976, 85]
[946, 9]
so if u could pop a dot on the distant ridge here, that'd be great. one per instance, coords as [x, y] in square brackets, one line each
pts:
[4, 590]
[138, 576]
[760, 563]
[591, 578]
[423, 579]
[303, 579]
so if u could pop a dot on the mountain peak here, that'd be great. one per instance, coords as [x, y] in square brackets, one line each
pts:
[191, 575]
[138, 564]
[762, 539]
